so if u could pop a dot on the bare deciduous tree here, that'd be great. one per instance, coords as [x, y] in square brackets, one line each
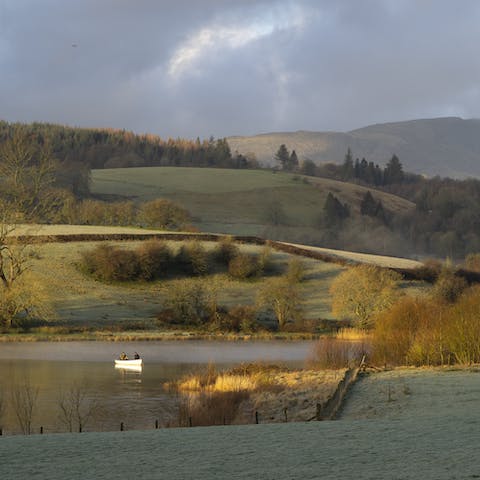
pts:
[284, 297]
[76, 408]
[26, 173]
[23, 400]
[2, 406]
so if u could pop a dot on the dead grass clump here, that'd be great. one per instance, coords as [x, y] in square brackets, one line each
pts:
[246, 377]
[235, 383]
[210, 408]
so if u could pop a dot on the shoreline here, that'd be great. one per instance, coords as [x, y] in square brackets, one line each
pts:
[152, 336]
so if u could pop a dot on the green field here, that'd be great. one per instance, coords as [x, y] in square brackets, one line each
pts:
[239, 201]
[83, 301]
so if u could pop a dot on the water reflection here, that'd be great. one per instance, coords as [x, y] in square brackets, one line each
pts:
[136, 398]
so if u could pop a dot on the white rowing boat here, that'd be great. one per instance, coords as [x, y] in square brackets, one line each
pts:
[134, 362]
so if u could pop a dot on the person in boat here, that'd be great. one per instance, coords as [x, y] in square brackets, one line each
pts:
[123, 356]
[136, 356]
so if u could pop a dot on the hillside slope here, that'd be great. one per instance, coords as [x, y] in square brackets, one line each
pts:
[278, 206]
[440, 146]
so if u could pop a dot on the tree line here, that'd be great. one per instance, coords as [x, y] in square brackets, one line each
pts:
[445, 221]
[82, 149]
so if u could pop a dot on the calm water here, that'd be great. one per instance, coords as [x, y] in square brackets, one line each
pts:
[135, 398]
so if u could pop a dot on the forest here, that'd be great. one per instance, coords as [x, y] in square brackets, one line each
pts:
[445, 221]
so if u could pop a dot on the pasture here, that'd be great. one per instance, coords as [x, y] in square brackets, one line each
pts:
[247, 202]
[80, 300]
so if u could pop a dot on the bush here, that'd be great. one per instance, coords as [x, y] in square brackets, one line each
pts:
[241, 318]
[109, 263]
[264, 261]
[226, 250]
[448, 286]
[472, 262]
[154, 259]
[295, 270]
[404, 334]
[161, 213]
[330, 353]
[188, 302]
[243, 266]
[193, 259]
[463, 328]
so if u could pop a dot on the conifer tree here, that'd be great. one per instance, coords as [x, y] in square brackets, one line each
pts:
[283, 157]
[293, 162]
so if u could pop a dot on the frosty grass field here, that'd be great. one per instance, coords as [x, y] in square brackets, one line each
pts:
[405, 424]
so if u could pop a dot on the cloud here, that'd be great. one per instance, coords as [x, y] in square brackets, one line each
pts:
[219, 38]
[226, 67]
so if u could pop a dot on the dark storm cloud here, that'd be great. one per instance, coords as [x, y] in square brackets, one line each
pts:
[188, 68]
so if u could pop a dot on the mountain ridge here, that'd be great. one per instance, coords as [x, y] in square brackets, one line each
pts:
[444, 146]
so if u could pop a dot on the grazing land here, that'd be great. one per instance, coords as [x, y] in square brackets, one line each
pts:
[242, 202]
[80, 300]
[128, 310]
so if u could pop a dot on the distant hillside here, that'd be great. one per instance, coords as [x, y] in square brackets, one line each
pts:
[278, 206]
[440, 146]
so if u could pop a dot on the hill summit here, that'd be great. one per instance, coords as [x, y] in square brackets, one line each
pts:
[447, 146]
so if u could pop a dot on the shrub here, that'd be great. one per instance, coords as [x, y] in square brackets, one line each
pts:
[226, 250]
[295, 270]
[411, 332]
[330, 353]
[109, 263]
[463, 328]
[472, 262]
[428, 271]
[242, 318]
[188, 302]
[154, 258]
[264, 261]
[193, 259]
[161, 213]
[448, 286]
[243, 266]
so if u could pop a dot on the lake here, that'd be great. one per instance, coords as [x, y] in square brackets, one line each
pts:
[137, 399]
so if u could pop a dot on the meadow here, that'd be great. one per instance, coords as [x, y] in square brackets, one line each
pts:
[242, 202]
[83, 301]
[129, 310]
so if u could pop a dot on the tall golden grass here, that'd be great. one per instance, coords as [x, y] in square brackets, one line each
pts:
[213, 397]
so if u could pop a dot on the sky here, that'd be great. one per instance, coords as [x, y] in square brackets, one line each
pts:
[188, 68]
